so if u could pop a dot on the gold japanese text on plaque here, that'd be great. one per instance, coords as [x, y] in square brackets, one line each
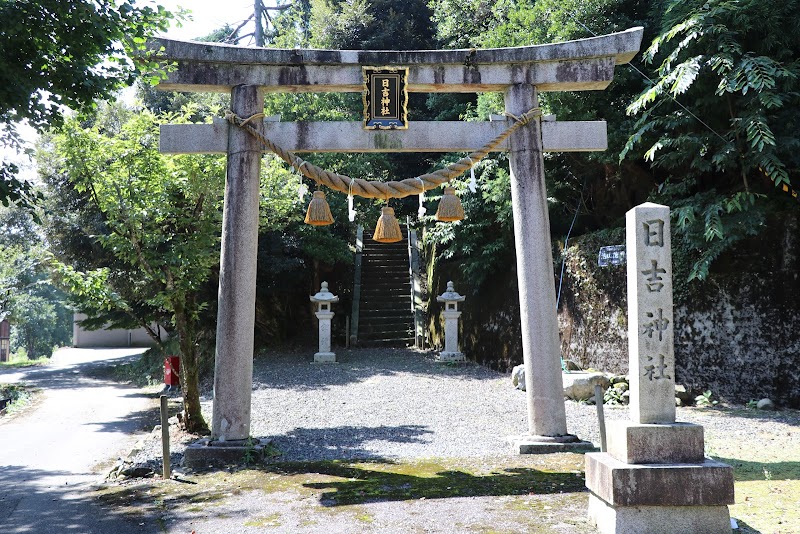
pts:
[385, 98]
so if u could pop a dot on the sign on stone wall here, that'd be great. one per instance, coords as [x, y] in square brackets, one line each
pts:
[611, 255]
[385, 98]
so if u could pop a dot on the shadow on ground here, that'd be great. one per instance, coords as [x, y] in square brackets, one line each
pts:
[334, 483]
[744, 470]
[363, 483]
[744, 528]
[296, 370]
[132, 422]
[33, 500]
[347, 441]
[86, 374]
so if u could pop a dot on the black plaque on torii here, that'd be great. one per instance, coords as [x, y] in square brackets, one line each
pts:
[385, 98]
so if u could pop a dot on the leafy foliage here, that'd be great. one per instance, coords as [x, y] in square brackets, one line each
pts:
[161, 218]
[36, 309]
[55, 54]
[720, 117]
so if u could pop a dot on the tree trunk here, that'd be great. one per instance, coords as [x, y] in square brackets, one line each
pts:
[190, 376]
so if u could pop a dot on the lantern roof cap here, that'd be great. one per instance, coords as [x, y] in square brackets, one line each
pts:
[450, 295]
[324, 295]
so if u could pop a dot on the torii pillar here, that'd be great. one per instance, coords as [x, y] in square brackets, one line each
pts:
[585, 64]
[237, 276]
[541, 350]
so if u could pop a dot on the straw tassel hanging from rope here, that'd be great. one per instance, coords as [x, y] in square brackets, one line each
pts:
[387, 229]
[319, 213]
[450, 208]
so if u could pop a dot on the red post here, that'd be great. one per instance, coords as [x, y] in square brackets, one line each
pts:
[172, 367]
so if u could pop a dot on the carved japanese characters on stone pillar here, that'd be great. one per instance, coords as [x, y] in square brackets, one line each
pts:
[650, 322]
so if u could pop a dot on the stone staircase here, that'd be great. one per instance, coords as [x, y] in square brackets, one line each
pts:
[385, 315]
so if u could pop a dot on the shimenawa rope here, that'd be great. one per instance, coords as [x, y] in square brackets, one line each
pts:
[383, 190]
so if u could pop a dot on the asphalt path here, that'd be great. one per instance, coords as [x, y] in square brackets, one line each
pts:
[54, 453]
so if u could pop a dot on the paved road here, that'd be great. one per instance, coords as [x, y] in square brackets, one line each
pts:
[52, 455]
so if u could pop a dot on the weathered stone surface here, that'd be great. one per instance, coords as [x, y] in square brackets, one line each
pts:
[651, 325]
[537, 297]
[737, 333]
[324, 299]
[580, 385]
[765, 404]
[621, 484]
[233, 366]
[421, 136]
[658, 519]
[207, 453]
[451, 299]
[548, 444]
[636, 443]
[684, 395]
[573, 65]
[324, 357]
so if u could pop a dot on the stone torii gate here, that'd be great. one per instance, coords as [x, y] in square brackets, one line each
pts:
[520, 73]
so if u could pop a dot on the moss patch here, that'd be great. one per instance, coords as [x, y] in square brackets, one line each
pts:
[272, 520]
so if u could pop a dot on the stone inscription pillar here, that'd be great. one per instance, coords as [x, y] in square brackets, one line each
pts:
[651, 351]
[537, 298]
[655, 476]
[233, 365]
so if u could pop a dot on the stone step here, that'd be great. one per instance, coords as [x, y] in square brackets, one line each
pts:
[367, 259]
[387, 342]
[399, 310]
[385, 310]
[388, 290]
[385, 269]
[383, 285]
[374, 245]
[388, 327]
[386, 303]
[386, 317]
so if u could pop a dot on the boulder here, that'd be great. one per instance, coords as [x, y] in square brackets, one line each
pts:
[684, 395]
[765, 404]
[518, 377]
[580, 386]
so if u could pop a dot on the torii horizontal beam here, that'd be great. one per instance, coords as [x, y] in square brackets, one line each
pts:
[583, 64]
[434, 136]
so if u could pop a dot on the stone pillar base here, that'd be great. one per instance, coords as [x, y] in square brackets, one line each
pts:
[450, 357]
[325, 357]
[207, 453]
[657, 519]
[529, 444]
[659, 498]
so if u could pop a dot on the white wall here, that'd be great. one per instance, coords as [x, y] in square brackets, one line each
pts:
[110, 338]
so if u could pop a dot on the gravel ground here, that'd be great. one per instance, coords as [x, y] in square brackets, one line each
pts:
[397, 403]
[390, 404]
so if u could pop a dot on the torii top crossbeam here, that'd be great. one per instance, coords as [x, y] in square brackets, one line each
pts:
[583, 64]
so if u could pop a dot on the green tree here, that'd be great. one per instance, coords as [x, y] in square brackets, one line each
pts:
[720, 119]
[161, 219]
[36, 309]
[54, 54]
[599, 185]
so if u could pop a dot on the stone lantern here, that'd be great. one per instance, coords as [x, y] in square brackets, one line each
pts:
[451, 315]
[324, 299]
